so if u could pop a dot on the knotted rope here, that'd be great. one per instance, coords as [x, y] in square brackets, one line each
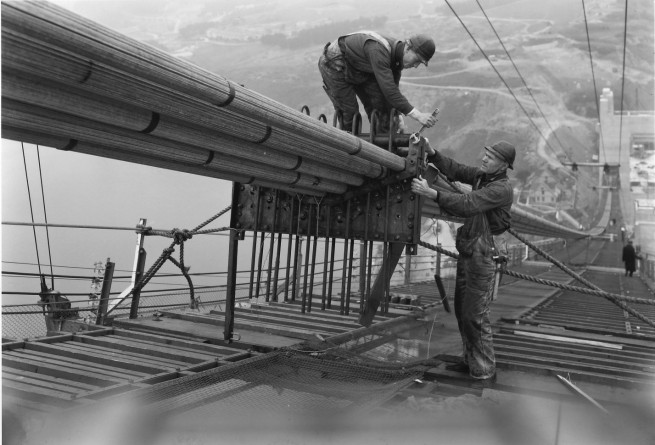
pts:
[179, 236]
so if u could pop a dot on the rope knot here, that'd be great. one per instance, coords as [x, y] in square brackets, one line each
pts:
[181, 235]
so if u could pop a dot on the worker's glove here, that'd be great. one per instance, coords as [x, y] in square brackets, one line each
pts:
[426, 119]
[402, 126]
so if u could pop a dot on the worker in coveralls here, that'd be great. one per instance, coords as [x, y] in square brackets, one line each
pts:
[487, 212]
[368, 65]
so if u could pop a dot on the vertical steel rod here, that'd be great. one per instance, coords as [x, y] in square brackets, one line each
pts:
[271, 248]
[231, 290]
[303, 305]
[331, 278]
[296, 275]
[385, 255]
[311, 276]
[350, 271]
[289, 244]
[277, 265]
[345, 262]
[326, 249]
[259, 263]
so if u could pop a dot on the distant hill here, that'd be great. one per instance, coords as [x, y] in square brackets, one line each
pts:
[272, 47]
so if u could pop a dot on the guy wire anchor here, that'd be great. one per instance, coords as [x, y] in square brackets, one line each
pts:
[416, 136]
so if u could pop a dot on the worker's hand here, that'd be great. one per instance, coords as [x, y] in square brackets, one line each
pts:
[428, 148]
[426, 119]
[420, 187]
[402, 126]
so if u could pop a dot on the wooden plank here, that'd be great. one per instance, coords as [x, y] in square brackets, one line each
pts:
[40, 383]
[256, 326]
[319, 318]
[47, 379]
[156, 351]
[141, 358]
[625, 340]
[587, 376]
[281, 320]
[201, 355]
[38, 394]
[576, 367]
[189, 344]
[66, 372]
[110, 360]
[544, 343]
[581, 358]
[248, 339]
[78, 364]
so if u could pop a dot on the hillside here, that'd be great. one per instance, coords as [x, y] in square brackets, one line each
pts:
[272, 47]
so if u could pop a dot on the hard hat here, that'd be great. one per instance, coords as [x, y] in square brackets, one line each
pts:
[423, 45]
[503, 150]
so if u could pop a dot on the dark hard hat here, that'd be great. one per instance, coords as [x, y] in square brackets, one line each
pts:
[505, 151]
[423, 45]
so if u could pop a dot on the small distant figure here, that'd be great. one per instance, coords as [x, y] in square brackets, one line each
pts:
[622, 233]
[629, 258]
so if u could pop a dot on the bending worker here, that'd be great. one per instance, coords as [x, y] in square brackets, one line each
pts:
[487, 212]
[367, 65]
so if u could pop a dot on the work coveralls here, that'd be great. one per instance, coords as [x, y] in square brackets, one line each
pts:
[486, 209]
[365, 65]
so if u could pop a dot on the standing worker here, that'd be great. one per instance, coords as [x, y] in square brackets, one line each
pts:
[629, 258]
[487, 212]
[367, 65]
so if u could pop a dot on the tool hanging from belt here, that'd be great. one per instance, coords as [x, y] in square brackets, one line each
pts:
[501, 265]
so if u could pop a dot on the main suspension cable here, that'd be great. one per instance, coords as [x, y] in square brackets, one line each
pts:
[625, 38]
[593, 77]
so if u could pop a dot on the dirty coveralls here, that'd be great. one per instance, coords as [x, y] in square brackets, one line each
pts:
[492, 197]
[365, 65]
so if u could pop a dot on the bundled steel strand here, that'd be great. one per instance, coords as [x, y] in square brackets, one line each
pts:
[23, 55]
[29, 136]
[59, 124]
[92, 41]
[56, 96]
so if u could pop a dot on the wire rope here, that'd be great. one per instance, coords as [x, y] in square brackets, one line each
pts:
[625, 38]
[29, 196]
[593, 77]
[45, 217]
[502, 78]
[522, 79]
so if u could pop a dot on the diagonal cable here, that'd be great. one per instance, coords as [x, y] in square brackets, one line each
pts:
[523, 80]
[45, 215]
[501, 78]
[29, 196]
